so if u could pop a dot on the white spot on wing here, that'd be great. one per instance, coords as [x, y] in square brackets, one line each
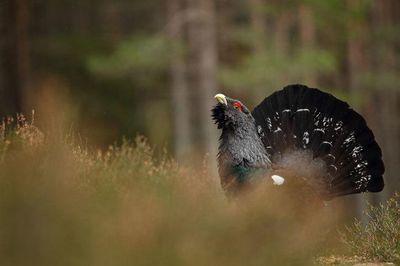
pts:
[269, 123]
[338, 126]
[259, 129]
[331, 156]
[303, 110]
[327, 143]
[306, 138]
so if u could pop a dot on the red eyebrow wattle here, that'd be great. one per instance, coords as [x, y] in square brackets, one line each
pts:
[238, 105]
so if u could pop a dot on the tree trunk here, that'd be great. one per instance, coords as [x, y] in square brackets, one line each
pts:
[282, 35]
[384, 18]
[203, 67]
[179, 87]
[355, 48]
[23, 53]
[14, 55]
[307, 37]
[113, 25]
[258, 25]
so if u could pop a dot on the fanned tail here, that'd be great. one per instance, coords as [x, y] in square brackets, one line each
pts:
[298, 118]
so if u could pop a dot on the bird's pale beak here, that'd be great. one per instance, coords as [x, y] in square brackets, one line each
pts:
[221, 98]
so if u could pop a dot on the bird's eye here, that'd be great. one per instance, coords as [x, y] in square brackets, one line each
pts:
[238, 106]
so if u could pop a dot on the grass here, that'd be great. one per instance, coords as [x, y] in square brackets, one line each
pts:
[62, 204]
[379, 239]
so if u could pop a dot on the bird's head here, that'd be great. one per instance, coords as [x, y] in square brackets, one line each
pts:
[230, 114]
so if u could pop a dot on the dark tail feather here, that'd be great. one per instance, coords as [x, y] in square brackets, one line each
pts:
[299, 117]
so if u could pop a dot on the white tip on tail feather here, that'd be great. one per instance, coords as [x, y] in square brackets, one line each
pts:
[278, 180]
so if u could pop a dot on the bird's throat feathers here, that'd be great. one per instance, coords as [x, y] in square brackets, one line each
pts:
[242, 147]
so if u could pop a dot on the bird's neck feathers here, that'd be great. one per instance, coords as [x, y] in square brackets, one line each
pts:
[242, 146]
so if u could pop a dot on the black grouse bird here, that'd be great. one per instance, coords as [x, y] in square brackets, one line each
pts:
[302, 132]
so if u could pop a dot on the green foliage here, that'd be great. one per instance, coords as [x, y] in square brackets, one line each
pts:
[270, 69]
[388, 80]
[141, 58]
[379, 239]
[135, 69]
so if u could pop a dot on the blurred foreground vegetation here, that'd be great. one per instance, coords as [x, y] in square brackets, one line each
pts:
[61, 204]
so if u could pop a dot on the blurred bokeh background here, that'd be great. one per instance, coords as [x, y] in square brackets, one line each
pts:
[120, 68]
